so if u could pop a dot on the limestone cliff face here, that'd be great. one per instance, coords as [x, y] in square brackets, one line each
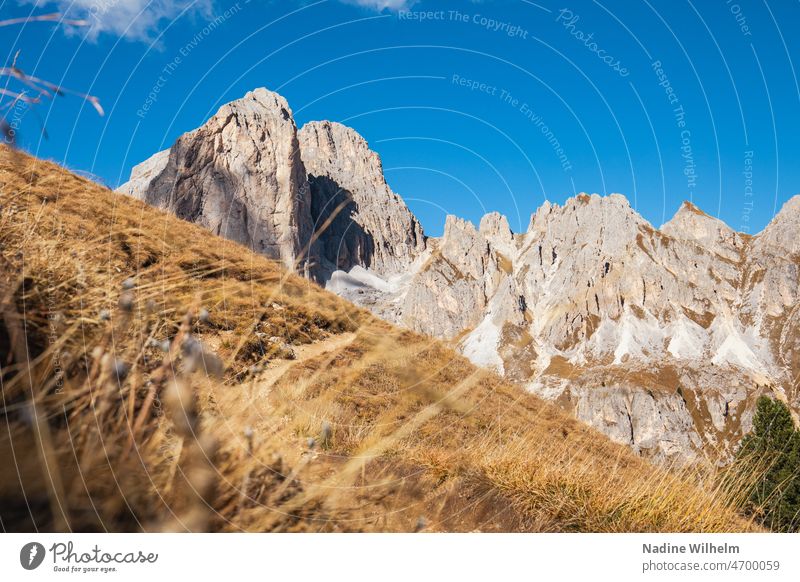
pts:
[143, 174]
[248, 175]
[362, 222]
[446, 295]
[451, 292]
[240, 175]
[770, 299]
[661, 338]
[691, 224]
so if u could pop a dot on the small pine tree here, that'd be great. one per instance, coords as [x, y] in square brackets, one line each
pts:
[773, 449]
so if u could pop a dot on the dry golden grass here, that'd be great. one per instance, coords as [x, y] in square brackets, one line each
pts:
[126, 407]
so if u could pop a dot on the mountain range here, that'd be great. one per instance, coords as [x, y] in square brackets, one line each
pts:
[661, 338]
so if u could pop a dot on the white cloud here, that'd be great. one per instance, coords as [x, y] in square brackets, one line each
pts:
[143, 19]
[381, 4]
[133, 19]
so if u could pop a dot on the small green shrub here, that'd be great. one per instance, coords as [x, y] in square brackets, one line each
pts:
[772, 450]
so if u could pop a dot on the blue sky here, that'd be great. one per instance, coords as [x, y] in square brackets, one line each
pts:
[473, 106]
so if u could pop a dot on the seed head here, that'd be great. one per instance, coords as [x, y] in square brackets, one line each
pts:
[248, 435]
[191, 347]
[120, 370]
[126, 302]
[326, 433]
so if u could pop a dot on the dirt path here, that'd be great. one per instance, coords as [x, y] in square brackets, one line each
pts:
[302, 353]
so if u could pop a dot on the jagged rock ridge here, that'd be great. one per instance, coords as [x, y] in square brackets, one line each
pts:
[662, 338]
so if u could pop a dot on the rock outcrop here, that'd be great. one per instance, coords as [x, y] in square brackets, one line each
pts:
[143, 174]
[362, 222]
[240, 175]
[693, 225]
[315, 199]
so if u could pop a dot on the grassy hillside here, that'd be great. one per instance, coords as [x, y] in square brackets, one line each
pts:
[155, 377]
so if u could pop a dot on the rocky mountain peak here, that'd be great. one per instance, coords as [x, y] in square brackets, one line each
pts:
[782, 232]
[584, 206]
[494, 226]
[495, 229]
[239, 175]
[692, 224]
[464, 247]
[365, 223]
[455, 226]
[143, 174]
[329, 145]
[259, 101]
[583, 222]
[247, 174]
[790, 207]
